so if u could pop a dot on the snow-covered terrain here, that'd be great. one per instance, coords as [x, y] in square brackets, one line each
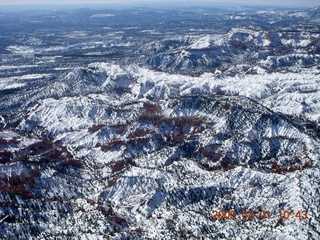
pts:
[150, 136]
[160, 151]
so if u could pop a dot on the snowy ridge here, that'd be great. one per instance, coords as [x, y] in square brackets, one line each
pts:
[294, 94]
[252, 47]
[150, 150]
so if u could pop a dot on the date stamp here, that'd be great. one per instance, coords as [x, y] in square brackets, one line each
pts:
[262, 214]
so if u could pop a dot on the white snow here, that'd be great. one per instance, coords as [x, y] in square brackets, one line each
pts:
[102, 15]
[23, 50]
